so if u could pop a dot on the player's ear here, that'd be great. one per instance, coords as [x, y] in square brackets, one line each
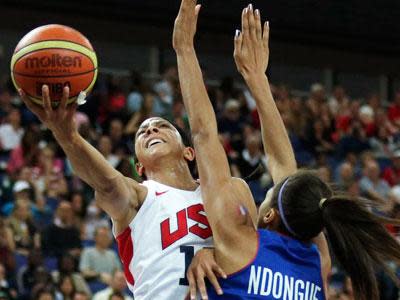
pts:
[269, 217]
[189, 154]
[139, 169]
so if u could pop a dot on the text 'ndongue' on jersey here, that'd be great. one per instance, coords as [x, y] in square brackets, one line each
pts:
[160, 242]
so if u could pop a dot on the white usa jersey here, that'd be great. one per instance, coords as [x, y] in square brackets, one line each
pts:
[159, 244]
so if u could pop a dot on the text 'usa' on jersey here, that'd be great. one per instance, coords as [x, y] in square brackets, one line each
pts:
[170, 227]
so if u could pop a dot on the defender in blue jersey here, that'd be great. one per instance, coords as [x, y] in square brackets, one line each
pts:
[287, 257]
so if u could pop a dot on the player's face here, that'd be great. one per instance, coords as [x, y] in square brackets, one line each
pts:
[155, 138]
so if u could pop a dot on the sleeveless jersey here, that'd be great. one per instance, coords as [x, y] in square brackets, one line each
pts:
[284, 269]
[160, 242]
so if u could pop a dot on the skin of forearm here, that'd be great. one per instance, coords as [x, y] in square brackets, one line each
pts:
[281, 159]
[201, 115]
[87, 162]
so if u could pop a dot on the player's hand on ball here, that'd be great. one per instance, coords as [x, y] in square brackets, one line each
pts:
[251, 44]
[185, 25]
[59, 120]
[204, 265]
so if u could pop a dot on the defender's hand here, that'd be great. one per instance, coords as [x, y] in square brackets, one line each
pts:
[204, 265]
[251, 45]
[185, 25]
[59, 120]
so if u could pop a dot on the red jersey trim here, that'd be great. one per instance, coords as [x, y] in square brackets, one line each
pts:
[125, 251]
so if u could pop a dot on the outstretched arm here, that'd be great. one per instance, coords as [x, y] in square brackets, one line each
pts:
[116, 194]
[212, 162]
[251, 56]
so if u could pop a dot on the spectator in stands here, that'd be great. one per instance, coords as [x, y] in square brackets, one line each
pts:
[116, 134]
[366, 115]
[99, 262]
[145, 112]
[105, 147]
[11, 132]
[317, 99]
[49, 174]
[137, 89]
[118, 284]
[394, 110]
[339, 101]
[232, 123]
[324, 173]
[167, 86]
[63, 235]
[26, 274]
[117, 296]
[383, 144]
[5, 286]
[251, 164]
[23, 229]
[43, 292]
[7, 247]
[391, 174]
[66, 287]
[80, 296]
[346, 175]
[79, 209]
[95, 217]
[372, 186]
[26, 154]
[67, 267]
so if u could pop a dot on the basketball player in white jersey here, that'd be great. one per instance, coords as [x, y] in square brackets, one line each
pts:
[160, 224]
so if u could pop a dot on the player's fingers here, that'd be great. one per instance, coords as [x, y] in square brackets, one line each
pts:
[218, 270]
[257, 20]
[201, 286]
[46, 99]
[64, 99]
[266, 34]
[214, 281]
[252, 24]
[192, 285]
[71, 110]
[196, 12]
[245, 23]
[237, 43]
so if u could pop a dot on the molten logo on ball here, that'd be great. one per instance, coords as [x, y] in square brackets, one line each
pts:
[53, 61]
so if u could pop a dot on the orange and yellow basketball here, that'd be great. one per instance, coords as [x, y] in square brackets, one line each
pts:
[55, 55]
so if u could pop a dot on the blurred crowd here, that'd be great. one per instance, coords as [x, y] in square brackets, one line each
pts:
[55, 243]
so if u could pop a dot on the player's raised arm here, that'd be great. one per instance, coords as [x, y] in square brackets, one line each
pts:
[251, 56]
[203, 123]
[212, 162]
[116, 194]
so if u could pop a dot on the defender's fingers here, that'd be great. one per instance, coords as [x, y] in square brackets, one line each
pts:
[201, 285]
[238, 40]
[252, 23]
[266, 34]
[187, 4]
[46, 99]
[214, 281]
[218, 270]
[257, 19]
[65, 96]
[192, 285]
[245, 23]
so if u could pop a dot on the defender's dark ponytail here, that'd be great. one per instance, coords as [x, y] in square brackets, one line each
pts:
[358, 238]
[360, 242]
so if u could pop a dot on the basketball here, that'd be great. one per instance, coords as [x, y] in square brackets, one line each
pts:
[55, 55]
